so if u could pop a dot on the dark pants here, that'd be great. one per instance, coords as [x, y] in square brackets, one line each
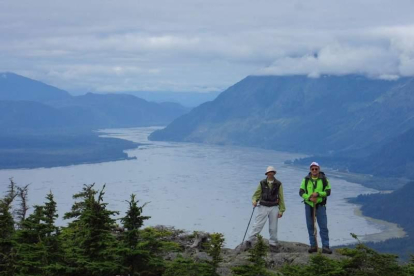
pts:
[322, 222]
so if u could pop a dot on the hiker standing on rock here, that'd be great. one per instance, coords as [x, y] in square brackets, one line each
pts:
[315, 189]
[270, 204]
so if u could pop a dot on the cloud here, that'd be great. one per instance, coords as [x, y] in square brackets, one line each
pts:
[383, 53]
[194, 45]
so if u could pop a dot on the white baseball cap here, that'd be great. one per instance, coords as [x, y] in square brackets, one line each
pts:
[314, 164]
[270, 169]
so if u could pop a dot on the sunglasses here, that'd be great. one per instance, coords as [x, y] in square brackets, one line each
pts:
[315, 169]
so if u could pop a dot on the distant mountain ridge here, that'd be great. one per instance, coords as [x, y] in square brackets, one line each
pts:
[297, 113]
[43, 126]
[188, 99]
[29, 114]
[26, 103]
[14, 87]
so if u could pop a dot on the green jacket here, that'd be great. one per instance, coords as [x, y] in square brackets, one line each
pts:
[258, 193]
[322, 194]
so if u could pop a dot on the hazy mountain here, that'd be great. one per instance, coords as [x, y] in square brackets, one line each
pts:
[28, 103]
[43, 126]
[119, 110]
[26, 114]
[189, 99]
[18, 88]
[297, 113]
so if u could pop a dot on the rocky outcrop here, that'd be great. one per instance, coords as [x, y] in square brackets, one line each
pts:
[193, 246]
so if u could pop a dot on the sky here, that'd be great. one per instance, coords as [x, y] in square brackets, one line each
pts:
[201, 46]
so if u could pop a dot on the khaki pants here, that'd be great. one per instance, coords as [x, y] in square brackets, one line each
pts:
[265, 212]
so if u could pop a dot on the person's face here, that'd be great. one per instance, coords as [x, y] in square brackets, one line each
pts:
[270, 175]
[314, 170]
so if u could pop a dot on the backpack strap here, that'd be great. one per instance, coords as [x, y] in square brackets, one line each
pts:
[306, 184]
[324, 180]
[324, 183]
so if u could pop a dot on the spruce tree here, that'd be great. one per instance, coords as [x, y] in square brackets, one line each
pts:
[22, 195]
[188, 267]
[36, 242]
[143, 248]
[89, 243]
[7, 231]
[214, 250]
[53, 259]
[136, 258]
[154, 243]
[29, 244]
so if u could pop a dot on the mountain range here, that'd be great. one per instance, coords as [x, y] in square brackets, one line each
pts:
[348, 116]
[26, 103]
[188, 99]
[44, 126]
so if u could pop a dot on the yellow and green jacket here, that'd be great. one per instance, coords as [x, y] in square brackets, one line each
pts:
[315, 185]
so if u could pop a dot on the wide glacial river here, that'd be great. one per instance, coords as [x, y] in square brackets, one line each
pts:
[196, 187]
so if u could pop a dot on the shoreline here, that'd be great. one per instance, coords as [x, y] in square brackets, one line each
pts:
[390, 230]
[68, 164]
[387, 230]
[96, 151]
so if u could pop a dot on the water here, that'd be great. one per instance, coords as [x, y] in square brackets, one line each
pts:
[196, 187]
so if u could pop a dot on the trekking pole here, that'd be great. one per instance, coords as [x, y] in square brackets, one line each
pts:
[315, 229]
[254, 207]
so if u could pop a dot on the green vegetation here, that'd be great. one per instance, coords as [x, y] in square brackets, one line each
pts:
[188, 267]
[360, 261]
[93, 244]
[257, 257]
[214, 249]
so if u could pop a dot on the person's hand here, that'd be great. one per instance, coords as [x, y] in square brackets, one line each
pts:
[315, 195]
[280, 215]
[313, 199]
[254, 203]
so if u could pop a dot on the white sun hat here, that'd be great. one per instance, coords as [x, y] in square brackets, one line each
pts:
[314, 164]
[270, 169]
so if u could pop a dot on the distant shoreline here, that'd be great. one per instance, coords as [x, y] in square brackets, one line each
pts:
[68, 164]
[366, 180]
[49, 151]
[390, 230]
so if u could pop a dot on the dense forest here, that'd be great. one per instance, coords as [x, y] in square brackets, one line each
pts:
[397, 154]
[95, 243]
[395, 207]
[56, 148]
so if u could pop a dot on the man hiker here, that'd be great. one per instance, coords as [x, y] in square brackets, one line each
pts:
[270, 204]
[315, 188]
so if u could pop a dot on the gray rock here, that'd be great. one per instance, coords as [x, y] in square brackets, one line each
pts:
[200, 238]
[202, 256]
[284, 254]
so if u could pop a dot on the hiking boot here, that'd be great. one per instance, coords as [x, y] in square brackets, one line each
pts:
[274, 248]
[247, 245]
[312, 249]
[326, 250]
